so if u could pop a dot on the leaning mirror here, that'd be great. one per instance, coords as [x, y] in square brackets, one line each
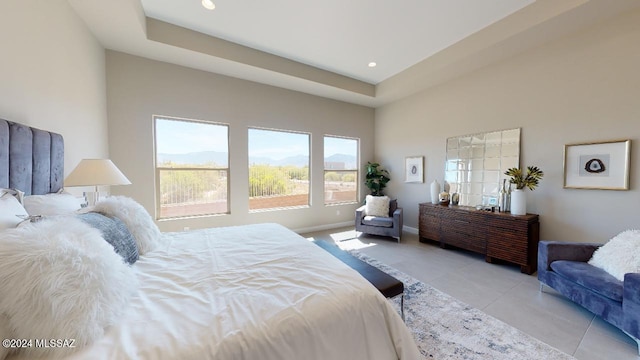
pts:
[476, 164]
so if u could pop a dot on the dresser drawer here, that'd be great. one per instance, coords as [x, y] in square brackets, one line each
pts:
[429, 227]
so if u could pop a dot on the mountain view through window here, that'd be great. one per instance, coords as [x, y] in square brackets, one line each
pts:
[340, 170]
[278, 169]
[192, 168]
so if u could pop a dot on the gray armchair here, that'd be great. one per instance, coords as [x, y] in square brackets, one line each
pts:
[385, 226]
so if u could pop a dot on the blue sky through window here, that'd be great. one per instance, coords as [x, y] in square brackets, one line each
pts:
[335, 145]
[277, 145]
[175, 136]
[183, 137]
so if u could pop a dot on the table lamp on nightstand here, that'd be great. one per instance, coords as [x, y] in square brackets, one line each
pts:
[95, 172]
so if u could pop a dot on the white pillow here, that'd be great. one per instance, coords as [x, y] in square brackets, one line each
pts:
[620, 255]
[10, 211]
[51, 204]
[62, 280]
[15, 192]
[137, 219]
[377, 206]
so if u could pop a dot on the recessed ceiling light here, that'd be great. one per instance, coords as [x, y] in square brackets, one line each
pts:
[208, 4]
[372, 64]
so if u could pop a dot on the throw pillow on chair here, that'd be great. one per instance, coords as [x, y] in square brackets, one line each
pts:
[377, 206]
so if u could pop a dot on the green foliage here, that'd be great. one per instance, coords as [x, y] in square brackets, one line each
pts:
[530, 180]
[171, 164]
[191, 185]
[376, 179]
[342, 176]
[188, 185]
[332, 176]
[295, 172]
[265, 180]
[349, 177]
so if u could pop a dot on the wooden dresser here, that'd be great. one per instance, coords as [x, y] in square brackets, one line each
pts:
[498, 236]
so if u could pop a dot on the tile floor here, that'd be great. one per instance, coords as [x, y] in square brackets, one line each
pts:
[499, 290]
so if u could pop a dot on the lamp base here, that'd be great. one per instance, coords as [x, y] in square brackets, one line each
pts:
[91, 197]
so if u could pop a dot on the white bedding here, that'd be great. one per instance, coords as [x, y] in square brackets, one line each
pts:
[252, 292]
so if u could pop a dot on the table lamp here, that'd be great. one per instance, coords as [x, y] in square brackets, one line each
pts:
[95, 172]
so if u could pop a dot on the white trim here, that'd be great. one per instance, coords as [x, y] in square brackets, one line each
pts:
[410, 230]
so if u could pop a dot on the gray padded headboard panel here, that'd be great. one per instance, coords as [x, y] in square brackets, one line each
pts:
[31, 160]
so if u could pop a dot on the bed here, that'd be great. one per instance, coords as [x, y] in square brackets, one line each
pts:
[246, 292]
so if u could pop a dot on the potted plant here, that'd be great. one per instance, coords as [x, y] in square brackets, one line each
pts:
[530, 180]
[376, 179]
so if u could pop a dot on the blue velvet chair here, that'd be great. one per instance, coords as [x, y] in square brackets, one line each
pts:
[384, 226]
[563, 266]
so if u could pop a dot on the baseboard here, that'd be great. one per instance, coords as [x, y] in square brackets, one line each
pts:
[410, 230]
[323, 227]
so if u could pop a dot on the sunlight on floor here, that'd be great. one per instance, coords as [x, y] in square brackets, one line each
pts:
[354, 244]
[343, 235]
[346, 240]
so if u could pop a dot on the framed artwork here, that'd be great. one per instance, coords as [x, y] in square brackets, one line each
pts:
[597, 165]
[413, 169]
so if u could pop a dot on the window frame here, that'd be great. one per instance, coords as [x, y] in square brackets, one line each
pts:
[158, 169]
[356, 170]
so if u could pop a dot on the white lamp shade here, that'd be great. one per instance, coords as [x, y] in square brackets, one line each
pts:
[96, 172]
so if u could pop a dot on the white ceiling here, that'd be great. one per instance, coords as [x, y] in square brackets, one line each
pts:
[323, 48]
[340, 36]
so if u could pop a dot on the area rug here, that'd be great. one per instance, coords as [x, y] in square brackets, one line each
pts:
[446, 328]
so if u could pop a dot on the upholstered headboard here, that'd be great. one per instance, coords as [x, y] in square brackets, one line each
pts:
[31, 160]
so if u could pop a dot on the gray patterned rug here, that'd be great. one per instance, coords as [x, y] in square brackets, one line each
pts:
[446, 328]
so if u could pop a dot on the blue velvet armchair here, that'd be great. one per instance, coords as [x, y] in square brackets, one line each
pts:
[564, 267]
[384, 226]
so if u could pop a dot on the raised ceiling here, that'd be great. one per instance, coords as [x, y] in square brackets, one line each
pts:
[340, 36]
[323, 48]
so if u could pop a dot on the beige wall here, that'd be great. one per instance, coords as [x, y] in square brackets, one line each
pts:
[582, 88]
[139, 88]
[52, 75]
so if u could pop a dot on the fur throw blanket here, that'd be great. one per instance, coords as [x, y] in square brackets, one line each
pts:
[61, 280]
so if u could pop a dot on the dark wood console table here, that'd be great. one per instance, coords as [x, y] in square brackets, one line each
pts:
[498, 236]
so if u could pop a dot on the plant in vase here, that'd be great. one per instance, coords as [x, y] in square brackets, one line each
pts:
[376, 179]
[521, 180]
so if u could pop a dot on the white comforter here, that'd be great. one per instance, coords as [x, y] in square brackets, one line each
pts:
[252, 292]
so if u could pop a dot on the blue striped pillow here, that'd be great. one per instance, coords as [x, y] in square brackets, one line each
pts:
[115, 232]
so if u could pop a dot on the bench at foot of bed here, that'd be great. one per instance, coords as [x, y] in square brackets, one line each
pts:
[388, 285]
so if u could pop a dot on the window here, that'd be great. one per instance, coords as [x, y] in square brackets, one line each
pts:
[192, 168]
[340, 170]
[278, 169]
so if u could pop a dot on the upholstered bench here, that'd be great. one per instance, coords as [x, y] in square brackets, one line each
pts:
[388, 285]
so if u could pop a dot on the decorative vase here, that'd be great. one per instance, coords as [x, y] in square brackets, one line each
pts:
[518, 202]
[435, 192]
[502, 196]
[455, 198]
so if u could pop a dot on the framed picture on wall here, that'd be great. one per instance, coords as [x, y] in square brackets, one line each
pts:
[598, 165]
[413, 169]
